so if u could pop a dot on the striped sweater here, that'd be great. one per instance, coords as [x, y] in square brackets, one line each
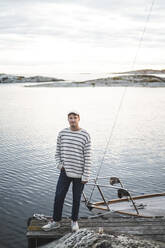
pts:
[73, 152]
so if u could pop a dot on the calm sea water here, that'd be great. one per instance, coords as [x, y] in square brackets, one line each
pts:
[30, 119]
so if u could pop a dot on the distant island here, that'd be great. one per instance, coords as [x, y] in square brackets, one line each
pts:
[128, 80]
[143, 71]
[8, 78]
[136, 78]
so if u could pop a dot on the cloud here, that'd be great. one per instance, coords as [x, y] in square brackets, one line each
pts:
[53, 31]
[68, 21]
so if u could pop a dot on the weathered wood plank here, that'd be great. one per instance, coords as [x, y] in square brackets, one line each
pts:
[130, 221]
[135, 230]
[153, 228]
[106, 218]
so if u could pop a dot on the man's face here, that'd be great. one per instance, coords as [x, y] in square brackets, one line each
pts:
[73, 120]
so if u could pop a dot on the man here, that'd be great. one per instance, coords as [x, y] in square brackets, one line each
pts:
[73, 158]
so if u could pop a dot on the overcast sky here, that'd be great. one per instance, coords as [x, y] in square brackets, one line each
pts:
[51, 36]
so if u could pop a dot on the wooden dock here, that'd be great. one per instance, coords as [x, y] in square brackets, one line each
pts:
[145, 228]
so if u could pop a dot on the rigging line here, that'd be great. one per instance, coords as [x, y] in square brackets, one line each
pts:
[143, 32]
[106, 148]
[113, 127]
[122, 98]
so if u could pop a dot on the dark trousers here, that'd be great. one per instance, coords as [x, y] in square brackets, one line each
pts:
[61, 190]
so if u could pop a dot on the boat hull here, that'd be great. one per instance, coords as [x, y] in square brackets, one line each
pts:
[149, 205]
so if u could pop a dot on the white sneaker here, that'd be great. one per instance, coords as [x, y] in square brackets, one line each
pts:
[74, 226]
[51, 226]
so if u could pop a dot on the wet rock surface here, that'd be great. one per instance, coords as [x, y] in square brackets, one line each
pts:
[88, 238]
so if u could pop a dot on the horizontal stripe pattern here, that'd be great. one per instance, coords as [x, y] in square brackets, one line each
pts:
[73, 151]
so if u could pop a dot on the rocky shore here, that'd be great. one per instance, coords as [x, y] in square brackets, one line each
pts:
[129, 80]
[132, 80]
[139, 78]
[7, 78]
[87, 238]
